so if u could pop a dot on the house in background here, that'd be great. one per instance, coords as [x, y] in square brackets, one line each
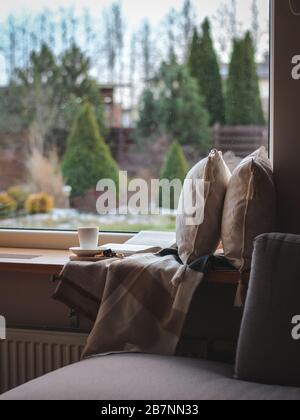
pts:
[263, 72]
[117, 100]
[121, 110]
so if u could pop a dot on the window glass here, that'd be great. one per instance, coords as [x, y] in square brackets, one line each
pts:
[102, 100]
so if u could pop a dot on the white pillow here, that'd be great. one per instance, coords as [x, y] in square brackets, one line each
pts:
[198, 230]
[249, 209]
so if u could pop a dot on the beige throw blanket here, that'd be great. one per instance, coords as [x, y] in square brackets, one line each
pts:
[142, 302]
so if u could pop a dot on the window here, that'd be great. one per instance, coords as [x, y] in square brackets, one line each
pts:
[129, 91]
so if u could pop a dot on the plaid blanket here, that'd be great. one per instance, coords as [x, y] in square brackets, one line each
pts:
[139, 304]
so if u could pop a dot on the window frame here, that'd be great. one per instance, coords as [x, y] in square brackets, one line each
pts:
[64, 239]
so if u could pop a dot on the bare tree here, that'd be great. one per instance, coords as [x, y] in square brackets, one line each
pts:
[44, 174]
[33, 40]
[114, 47]
[11, 52]
[64, 29]
[43, 26]
[119, 34]
[52, 29]
[171, 20]
[72, 20]
[109, 42]
[232, 18]
[89, 32]
[188, 23]
[114, 33]
[227, 25]
[145, 43]
[45, 113]
[132, 69]
[255, 30]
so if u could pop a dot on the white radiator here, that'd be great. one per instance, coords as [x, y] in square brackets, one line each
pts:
[28, 354]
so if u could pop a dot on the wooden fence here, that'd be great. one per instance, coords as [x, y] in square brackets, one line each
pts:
[241, 140]
[120, 139]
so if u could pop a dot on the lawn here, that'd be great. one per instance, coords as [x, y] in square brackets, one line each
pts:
[72, 219]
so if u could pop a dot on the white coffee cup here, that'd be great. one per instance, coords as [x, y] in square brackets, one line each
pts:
[88, 237]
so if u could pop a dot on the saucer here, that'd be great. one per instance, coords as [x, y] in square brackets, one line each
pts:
[86, 252]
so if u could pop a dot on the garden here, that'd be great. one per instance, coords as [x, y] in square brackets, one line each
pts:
[176, 95]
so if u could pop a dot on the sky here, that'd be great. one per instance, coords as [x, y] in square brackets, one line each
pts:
[135, 10]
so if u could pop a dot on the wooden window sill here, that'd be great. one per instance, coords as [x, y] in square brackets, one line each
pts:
[35, 261]
[51, 262]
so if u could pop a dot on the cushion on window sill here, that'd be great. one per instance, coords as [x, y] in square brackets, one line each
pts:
[249, 209]
[203, 238]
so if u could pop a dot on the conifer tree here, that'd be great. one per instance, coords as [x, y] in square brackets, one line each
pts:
[205, 69]
[88, 158]
[193, 61]
[181, 107]
[243, 102]
[173, 106]
[175, 167]
[236, 89]
[148, 122]
[255, 111]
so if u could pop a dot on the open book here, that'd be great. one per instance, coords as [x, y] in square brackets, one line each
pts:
[145, 242]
